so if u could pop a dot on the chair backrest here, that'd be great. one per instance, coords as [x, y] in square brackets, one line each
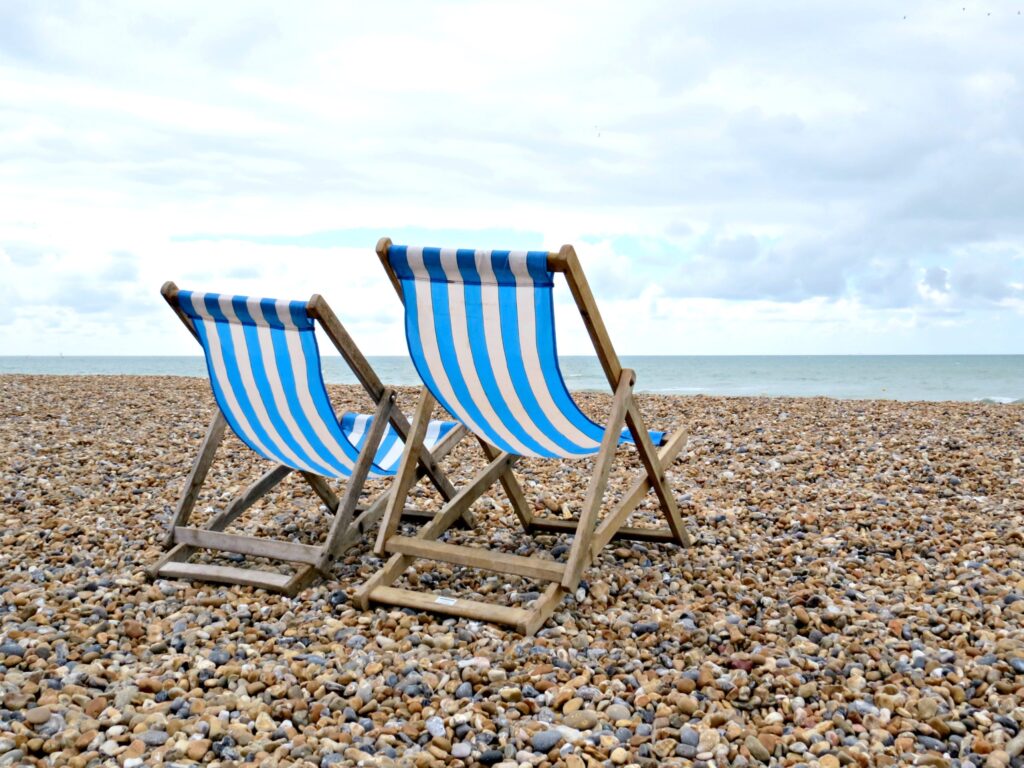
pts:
[481, 333]
[264, 367]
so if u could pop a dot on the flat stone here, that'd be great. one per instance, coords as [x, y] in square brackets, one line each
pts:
[154, 738]
[581, 719]
[197, 749]
[616, 712]
[37, 715]
[545, 741]
[11, 649]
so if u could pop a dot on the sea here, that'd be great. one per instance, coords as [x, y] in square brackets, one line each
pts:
[969, 378]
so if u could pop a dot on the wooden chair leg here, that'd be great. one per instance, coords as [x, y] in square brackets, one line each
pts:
[323, 490]
[196, 477]
[655, 470]
[511, 486]
[612, 526]
[343, 517]
[406, 475]
[542, 609]
[579, 553]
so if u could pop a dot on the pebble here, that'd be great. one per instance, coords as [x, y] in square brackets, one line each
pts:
[545, 741]
[37, 715]
[844, 602]
[581, 719]
[617, 712]
[689, 737]
[757, 749]
[154, 738]
[435, 727]
[197, 749]
[11, 649]
[1015, 746]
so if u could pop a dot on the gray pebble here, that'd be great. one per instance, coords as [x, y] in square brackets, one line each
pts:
[154, 738]
[544, 741]
[11, 649]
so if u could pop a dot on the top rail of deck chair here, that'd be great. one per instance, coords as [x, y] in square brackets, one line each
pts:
[265, 371]
[481, 333]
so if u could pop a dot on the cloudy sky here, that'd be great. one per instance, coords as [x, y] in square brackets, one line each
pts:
[737, 179]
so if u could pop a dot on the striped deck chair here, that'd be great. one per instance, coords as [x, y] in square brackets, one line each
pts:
[480, 330]
[264, 367]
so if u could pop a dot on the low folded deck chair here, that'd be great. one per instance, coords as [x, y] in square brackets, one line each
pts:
[480, 330]
[264, 367]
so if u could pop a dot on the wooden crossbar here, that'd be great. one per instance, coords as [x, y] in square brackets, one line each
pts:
[488, 560]
[272, 549]
[453, 606]
[269, 580]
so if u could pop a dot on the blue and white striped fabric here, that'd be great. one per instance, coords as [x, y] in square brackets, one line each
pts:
[356, 428]
[481, 333]
[264, 367]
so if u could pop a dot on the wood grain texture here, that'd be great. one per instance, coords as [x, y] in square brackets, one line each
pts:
[254, 546]
[406, 475]
[485, 559]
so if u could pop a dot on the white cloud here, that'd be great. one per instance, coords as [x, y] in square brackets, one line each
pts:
[796, 178]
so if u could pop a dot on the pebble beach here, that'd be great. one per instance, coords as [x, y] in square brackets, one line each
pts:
[854, 596]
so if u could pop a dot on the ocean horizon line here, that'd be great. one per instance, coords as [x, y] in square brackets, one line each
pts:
[996, 378]
[332, 353]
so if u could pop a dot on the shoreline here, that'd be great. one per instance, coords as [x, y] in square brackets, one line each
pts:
[854, 596]
[583, 392]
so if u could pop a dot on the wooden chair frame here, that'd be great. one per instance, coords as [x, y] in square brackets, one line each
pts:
[350, 519]
[589, 537]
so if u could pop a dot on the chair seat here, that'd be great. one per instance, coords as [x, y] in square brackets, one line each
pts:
[356, 428]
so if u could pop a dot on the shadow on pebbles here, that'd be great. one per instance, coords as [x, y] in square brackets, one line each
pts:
[854, 597]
